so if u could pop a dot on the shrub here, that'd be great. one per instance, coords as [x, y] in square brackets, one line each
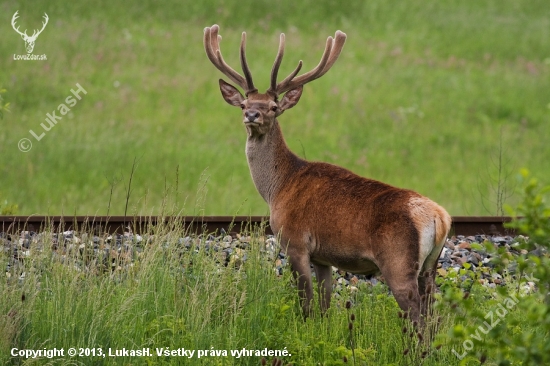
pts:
[517, 328]
[7, 208]
[4, 107]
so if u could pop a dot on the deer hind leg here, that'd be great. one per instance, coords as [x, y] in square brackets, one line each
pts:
[324, 285]
[403, 283]
[426, 279]
[426, 288]
[426, 283]
[301, 271]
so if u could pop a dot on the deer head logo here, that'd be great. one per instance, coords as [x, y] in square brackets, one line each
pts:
[29, 40]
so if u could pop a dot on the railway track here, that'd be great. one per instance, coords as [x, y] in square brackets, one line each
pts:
[462, 225]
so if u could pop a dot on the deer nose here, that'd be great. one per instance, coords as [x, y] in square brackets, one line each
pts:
[252, 115]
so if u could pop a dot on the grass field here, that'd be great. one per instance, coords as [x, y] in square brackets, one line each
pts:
[168, 298]
[427, 95]
[166, 291]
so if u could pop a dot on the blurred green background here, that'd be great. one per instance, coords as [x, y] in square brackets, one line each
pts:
[444, 97]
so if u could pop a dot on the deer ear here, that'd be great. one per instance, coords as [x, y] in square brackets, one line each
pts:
[231, 94]
[291, 98]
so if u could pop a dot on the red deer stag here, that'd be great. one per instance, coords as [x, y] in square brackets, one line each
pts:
[326, 215]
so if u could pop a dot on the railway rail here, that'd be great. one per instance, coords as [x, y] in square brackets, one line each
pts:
[462, 225]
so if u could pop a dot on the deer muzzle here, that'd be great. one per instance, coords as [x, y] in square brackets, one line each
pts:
[251, 115]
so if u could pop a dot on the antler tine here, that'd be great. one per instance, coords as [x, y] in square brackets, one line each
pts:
[308, 76]
[277, 64]
[333, 49]
[212, 48]
[289, 78]
[339, 41]
[247, 74]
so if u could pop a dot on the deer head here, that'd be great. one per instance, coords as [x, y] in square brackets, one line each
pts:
[29, 40]
[260, 110]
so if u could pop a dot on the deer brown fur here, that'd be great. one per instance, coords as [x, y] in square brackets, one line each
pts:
[326, 215]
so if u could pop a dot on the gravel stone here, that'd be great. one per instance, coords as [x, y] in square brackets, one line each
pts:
[117, 252]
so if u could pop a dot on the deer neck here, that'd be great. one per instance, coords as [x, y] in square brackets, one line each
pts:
[270, 161]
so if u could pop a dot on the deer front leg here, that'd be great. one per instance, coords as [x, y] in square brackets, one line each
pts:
[302, 274]
[324, 285]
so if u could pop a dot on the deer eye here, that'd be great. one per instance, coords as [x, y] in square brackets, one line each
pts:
[274, 108]
[242, 106]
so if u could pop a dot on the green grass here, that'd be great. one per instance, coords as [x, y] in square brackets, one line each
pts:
[171, 298]
[422, 97]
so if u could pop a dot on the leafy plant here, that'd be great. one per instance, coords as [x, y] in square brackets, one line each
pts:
[7, 208]
[4, 107]
[516, 328]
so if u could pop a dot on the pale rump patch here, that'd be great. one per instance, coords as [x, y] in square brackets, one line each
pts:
[433, 224]
[427, 238]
